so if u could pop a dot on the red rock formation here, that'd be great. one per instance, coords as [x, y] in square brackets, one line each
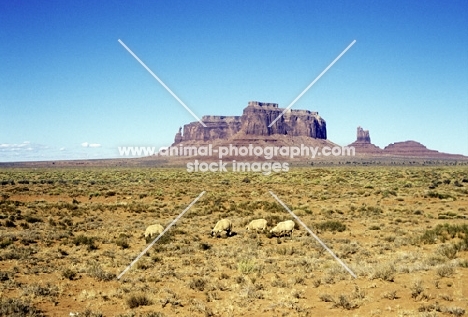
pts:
[363, 135]
[410, 148]
[416, 149]
[413, 149]
[256, 118]
[363, 145]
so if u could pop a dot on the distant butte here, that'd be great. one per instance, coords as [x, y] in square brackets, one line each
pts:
[411, 148]
[364, 147]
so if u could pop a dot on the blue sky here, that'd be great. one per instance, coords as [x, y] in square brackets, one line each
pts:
[69, 90]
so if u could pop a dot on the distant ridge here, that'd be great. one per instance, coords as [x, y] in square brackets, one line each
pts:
[408, 149]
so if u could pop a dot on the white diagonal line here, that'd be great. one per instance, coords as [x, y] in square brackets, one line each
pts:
[312, 83]
[161, 82]
[313, 235]
[160, 235]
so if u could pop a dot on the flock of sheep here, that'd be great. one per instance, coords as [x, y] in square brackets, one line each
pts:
[225, 225]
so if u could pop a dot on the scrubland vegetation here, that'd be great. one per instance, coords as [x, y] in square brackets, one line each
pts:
[66, 234]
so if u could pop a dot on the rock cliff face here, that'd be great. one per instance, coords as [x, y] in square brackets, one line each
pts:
[217, 127]
[363, 135]
[256, 118]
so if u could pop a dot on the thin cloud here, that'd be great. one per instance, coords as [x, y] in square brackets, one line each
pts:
[17, 146]
[30, 151]
[25, 151]
[94, 145]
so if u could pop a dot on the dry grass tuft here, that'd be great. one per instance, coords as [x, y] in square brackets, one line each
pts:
[137, 300]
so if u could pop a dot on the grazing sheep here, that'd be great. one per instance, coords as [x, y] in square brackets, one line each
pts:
[257, 224]
[283, 228]
[153, 230]
[222, 225]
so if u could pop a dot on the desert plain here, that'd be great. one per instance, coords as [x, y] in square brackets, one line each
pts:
[67, 233]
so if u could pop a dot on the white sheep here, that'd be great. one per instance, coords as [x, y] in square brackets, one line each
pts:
[257, 224]
[222, 225]
[284, 228]
[153, 230]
